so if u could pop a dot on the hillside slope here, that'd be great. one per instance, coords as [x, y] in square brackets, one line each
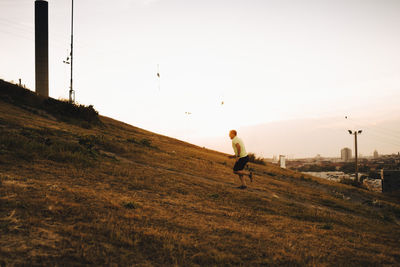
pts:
[79, 190]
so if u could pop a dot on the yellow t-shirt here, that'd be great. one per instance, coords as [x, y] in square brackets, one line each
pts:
[239, 141]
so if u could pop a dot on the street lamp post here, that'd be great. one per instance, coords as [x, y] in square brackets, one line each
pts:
[355, 133]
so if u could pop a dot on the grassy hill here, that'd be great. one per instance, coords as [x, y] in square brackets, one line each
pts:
[81, 189]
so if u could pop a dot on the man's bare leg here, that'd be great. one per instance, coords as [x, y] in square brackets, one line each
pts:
[245, 173]
[242, 180]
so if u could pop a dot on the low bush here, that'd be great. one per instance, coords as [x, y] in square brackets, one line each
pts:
[81, 115]
[256, 160]
[326, 226]
[130, 205]
[70, 112]
[131, 140]
[88, 141]
[95, 142]
[215, 195]
[145, 142]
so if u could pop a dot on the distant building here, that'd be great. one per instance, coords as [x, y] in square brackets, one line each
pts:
[390, 181]
[282, 161]
[345, 154]
[376, 155]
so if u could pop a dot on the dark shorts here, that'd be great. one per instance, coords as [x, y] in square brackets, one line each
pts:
[241, 163]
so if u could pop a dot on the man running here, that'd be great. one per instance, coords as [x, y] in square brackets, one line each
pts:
[242, 159]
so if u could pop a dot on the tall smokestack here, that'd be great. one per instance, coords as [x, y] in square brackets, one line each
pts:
[42, 47]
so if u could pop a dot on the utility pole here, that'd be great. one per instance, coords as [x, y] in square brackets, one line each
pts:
[355, 133]
[71, 90]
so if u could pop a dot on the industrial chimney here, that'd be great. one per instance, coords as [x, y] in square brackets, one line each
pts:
[42, 47]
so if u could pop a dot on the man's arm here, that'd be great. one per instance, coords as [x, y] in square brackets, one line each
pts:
[238, 149]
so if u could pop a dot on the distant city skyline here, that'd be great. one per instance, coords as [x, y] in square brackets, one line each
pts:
[307, 138]
[224, 65]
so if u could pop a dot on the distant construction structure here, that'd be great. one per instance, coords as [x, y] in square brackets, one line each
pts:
[282, 161]
[42, 47]
[345, 154]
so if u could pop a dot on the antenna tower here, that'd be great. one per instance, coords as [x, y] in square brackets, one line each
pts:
[71, 90]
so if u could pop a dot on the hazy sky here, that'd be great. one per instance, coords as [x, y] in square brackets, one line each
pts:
[266, 60]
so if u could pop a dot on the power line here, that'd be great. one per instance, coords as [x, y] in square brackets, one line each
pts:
[28, 28]
[380, 128]
[383, 133]
[384, 139]
[17, 35]
[56, 37]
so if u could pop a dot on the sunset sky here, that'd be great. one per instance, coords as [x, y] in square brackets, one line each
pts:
[269, 62]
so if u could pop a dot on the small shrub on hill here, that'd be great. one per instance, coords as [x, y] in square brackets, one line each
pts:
[131, 140]
[95, 142]
[64, 110]
[215, 195]
[145, 142]
[130, 205]
[256, 160]
[326, 226]
[88, 141]
[81, 115]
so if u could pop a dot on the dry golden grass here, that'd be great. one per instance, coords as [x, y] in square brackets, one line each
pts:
[137, 198]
